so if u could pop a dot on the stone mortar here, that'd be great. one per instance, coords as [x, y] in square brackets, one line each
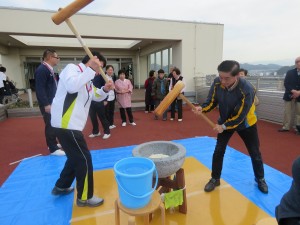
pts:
[165, 166]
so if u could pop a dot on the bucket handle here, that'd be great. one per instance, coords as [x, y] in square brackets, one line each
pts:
[142, 196]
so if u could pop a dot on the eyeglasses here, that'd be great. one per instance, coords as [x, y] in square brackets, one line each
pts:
[55, 57]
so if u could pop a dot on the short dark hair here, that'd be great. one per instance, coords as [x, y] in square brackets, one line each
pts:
[121, 71]
[151, 73]
[243, 70]
[161, 71]
[99, 56]
[48, 52]
[177, 71]
[2, 69]
[231, 66]
[109, 66]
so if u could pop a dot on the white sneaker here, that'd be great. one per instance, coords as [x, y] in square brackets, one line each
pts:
[58, 152]
[133, 124]
[106, 136]
[146, 112]
[179, 120]
[92, 202]
[123, 124]
[112, 126]
[171, 118]
[94, 135]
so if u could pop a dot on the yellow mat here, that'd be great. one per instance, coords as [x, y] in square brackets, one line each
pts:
[223, 206]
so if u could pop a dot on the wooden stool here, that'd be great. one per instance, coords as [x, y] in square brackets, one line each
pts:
[267, 221]
[166, 184]
[146, 211]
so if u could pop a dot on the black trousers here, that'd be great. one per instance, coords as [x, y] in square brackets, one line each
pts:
[110, 112]
[149, 108]
[78, 165]
[98, 109]
[290, 221]
[123, 115]
[250, 138]
[49, 131]
[179, 105]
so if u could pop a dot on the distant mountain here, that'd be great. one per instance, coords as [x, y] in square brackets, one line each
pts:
[284, 69]
[248, 66]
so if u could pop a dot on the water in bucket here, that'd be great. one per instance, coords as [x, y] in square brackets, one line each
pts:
[134, 177]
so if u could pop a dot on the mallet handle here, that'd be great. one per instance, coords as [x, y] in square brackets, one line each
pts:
[193, 107]
[87, 50]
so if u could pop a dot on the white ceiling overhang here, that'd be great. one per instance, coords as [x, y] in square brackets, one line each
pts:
[73, 42]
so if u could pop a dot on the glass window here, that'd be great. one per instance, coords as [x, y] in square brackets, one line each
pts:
[152, 61]
[165, 60]
[157, 60]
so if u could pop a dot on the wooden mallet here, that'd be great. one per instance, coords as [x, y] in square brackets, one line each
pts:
[64, 14]
[174, 93]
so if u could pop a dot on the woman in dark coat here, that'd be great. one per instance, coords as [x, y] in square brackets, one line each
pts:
[149, 101]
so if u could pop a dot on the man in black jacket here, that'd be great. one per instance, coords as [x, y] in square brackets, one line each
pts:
[45, 86]
[291, 97]
[235, 99]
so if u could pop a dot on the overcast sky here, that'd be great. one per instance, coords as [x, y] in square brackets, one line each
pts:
[255, 31]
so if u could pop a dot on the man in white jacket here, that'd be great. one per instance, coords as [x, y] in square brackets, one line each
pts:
[69, 113]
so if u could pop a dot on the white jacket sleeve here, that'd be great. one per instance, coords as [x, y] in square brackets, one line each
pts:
[73, 79]
[99, 94]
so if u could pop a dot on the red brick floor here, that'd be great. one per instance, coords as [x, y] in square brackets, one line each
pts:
[24, 137]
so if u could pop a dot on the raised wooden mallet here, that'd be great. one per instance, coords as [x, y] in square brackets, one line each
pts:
[64, 14]
[175, 93]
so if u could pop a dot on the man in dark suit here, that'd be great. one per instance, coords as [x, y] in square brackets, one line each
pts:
[45, 86]
[291, 97]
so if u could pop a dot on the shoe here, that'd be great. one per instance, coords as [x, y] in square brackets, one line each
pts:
[106, 136]
[171, 118]
[94, 135]
[283, 130]
[179, 120]
[133, 124]
[92, 202]
[58, 152]
[146, 112]
[124, 124]
[262, 185]
[164, 119]
[62, 191]
[112, 126]
[212, 183]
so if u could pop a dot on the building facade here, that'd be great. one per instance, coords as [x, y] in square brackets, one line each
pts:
[136, 44]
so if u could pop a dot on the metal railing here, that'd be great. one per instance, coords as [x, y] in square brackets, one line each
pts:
[269, 91]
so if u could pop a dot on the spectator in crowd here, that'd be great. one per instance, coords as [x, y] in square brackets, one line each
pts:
[176, 77]
[291, 98]
[3, 78]
[124, 89]
[160, 90]
[243, 73]
[45, 86]
[149, 101]
[110, 105]
[98, 109]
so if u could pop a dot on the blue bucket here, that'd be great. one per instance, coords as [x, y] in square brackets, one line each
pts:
[134, 177]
